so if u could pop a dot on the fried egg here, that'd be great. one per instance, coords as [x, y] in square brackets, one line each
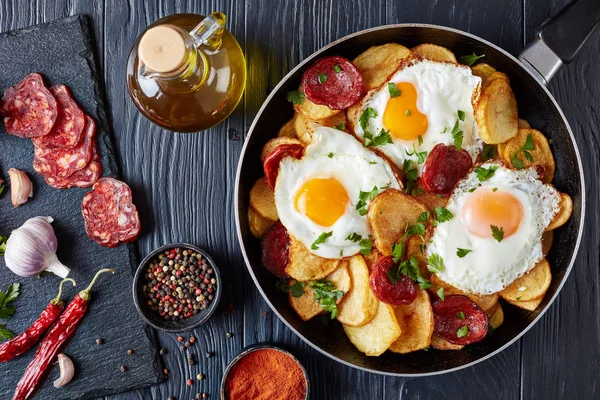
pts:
[422, 104]
[494, 235]
[318, 197]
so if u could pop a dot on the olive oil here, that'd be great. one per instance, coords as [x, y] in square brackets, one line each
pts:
[186, 73]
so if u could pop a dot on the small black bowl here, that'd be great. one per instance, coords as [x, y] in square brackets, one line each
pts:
[261, 346]
[151, 317]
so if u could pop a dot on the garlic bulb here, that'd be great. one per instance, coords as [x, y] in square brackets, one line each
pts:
[67, 370]
[20, 187]
[31, 249]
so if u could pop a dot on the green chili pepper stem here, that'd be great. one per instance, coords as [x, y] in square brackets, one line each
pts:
[58, 299]
[86, 293]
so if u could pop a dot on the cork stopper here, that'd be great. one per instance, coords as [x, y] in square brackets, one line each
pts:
[162, 49]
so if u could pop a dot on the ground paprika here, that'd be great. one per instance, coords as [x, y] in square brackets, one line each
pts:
[266, 374]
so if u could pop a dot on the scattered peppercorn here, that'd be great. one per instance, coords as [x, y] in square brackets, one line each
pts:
[163, 351]
[229, 334]
[186, 344]
[265, 313]
[180, 338]
[191, 359]
[198, 395]
[209, 354]
[123, 368]
[100, 341]
[205, 395]
[130, 351]
[200, 377]
[182, 348]
[190, 382]
[166, 371]
[171, 398]
[192, 339]
[179, 284]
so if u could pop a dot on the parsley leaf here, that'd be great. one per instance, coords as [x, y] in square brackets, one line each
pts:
[416, 229]
[295, 97]
[341, 126]
[283, 286]
[483, 174]
[2, 187]
[457, 135]
[365, 116]
[420, 155]
[462, 252]
[411, 269]
[440, 293]
[354, 237]
[3, 240]
[330, 155]
[442, 214]
[321, 239]
[365, 246]
[397, 252]
[472, 190]
[525, 149]
[407, 113]
[462, 331]
[363, 197]
[322, 78]
[488, 153]
[383, 137]
[470, 59]
[461, 115]
[337, 68]
[497, 233]
[297, 289]
[7, 297]
[420, 139]
[435, 263]
[411, 173]
[424, 216]
[326, 295]
[461, 315]
[393, 89]
[5, 333]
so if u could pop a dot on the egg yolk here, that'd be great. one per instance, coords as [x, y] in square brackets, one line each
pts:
[486, 207]
[402, 117]
[322, 200]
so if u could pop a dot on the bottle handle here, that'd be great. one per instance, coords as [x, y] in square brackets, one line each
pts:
[209, 33]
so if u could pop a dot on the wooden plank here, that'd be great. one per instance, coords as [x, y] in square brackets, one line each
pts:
[500, 23]
[278, 36]
[183, 187]
[560, 354]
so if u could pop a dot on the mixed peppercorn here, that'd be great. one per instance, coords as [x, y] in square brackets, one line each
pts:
[179, 284]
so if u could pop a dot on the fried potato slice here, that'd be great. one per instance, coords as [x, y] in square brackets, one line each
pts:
[304, 132]
[314, 111]
[415, 248]
[542, 155]
[483, 71]
[306, 306]
[301, 128]
[388, 215]
[262, 199]
[496, 113]
[359, 306]
[497, 318]
[273, 143]
[258, 224]
[372, 257]
[287, 130]
[566, 209]
[440, 344]
[304, 266]
[547, 239]
[487, 302]
[377, 63]
[530, 286]
[523, 124]
[375, 337]
[434, 52]
[416, 323]
[431, 200]
[530, 305]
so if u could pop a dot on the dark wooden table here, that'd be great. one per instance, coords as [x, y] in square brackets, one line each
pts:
[558, 358]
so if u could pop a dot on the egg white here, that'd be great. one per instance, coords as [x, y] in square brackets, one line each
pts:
[493, 265]
[442, 90]
[331, 154]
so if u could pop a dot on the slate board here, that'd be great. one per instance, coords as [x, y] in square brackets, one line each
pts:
[62, 51]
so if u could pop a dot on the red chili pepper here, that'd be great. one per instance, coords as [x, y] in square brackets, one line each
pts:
[20, 344]
[58, 334]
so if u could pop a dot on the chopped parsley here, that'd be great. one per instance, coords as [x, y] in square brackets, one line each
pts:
[424, 216]
[472, 190]
[462, 252]
[330, 155]
[457, 135]
[365, 116]
[383, 137]
[326, 295]
[297, 289]
[411, 173]
[483, 174]
[373, 163]
[407, 113]
[420, 155]
[440, 293]
[497, 233]
[341, 126]
[321, 239]
[337, 68]
[397, 252]
[435, 263]
[488, 153]
[420, 139]
[2, 187]
[462, 332]
[444, 131]
[365, 246]
[442, 214]
[7, 311]
[322, 78]
[470, 59]
[461, 315]
[494, 189]
[3, 240]
[354, 237]
[461, 115]
[525, 149]
[295, 97]
[363, 197]
[410, 268]
[393, 89]
[414, 230]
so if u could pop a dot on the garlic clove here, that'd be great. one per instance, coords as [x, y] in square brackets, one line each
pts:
[67, 370]
[20, 187]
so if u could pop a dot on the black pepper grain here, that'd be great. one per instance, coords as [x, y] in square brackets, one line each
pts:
[163, 351]
[100, 341]
[123, 368]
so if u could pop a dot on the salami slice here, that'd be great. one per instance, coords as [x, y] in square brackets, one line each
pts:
[444, 167]
[333, 81]
[30, 109]
[272, 160]
[83, 178]
[402, 291]
[62, 163]
[458, 320]
[69, 124]
[109, 215]
[275, 245]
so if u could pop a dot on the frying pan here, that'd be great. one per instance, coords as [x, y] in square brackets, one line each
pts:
[558, 41]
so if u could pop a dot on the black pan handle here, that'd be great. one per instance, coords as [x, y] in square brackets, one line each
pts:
[560, 38]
